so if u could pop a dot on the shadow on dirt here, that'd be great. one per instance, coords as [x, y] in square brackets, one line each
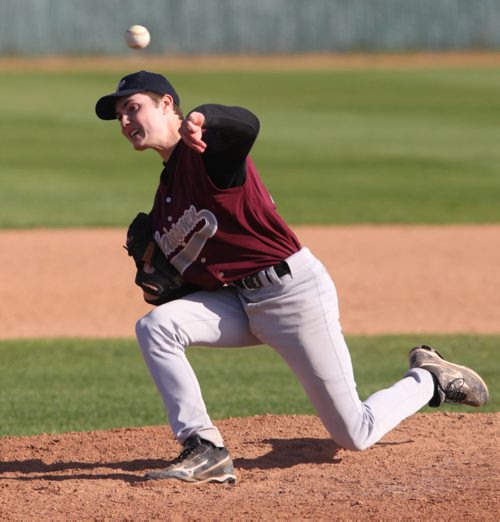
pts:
[36, 469]
[286, 453]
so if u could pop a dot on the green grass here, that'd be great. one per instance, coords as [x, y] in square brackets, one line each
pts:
[335, 146]
[60, 385]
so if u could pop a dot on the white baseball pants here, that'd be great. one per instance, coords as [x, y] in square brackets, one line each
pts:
[296, 315]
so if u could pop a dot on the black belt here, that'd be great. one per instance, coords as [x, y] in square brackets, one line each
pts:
[253, 281]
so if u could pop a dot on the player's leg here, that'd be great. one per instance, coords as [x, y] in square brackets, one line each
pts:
[203, 318]
[301, 321]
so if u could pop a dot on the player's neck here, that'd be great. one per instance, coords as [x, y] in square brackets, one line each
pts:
[165, 150]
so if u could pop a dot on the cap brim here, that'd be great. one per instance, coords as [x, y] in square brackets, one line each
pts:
[105, 108]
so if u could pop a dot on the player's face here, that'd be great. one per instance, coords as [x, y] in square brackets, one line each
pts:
[142, 121]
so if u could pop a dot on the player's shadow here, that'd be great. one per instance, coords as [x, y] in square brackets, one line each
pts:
[36, 469]
[285, 453]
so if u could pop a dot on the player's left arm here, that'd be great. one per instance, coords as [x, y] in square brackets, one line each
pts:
[224, 136]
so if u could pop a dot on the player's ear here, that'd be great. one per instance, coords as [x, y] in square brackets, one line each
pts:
[167, 103]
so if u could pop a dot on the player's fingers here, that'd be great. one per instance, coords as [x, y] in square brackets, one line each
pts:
[192, 127]
[193, 140]
[191, 131]
[197, 118]
[199, 148]
[191, 135]
[198, 145]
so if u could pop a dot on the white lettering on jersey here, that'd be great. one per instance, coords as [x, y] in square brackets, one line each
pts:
[174, 238]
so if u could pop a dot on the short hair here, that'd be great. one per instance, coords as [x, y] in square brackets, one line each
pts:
[156, 97]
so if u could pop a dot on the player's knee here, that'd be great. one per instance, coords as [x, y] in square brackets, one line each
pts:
[353, 441]
[359, 431]
[156, 333]
[147, 328]
[142, 328]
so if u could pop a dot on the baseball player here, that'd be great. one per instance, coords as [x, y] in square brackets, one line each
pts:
[248, 281]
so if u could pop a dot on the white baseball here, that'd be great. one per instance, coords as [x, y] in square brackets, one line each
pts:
[137, 37]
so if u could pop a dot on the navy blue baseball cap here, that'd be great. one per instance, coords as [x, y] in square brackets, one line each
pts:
[136, 82]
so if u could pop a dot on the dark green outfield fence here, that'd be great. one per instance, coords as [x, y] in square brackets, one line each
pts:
[39, 27]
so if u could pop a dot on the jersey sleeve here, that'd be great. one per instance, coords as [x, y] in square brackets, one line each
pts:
[230, 133]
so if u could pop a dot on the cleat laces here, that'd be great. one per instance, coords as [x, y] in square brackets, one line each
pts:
[188, 450]
[453, 391]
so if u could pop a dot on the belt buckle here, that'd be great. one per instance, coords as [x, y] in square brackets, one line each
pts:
[251, 280]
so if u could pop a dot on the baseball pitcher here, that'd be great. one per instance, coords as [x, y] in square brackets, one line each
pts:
[222, 268]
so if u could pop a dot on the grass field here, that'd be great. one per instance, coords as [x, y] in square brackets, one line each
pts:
[380, 146]
[78, 385]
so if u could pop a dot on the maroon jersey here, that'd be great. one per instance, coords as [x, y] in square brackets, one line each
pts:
[211, 235]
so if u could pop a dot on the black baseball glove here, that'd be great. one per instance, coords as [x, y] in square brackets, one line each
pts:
[161, 281]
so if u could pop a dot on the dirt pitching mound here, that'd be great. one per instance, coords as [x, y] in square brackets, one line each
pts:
[433, 466]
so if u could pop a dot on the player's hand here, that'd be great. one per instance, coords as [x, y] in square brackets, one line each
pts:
[191, 131]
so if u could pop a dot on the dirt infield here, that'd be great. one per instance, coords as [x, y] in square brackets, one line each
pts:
[283, 62]
[390, 279]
